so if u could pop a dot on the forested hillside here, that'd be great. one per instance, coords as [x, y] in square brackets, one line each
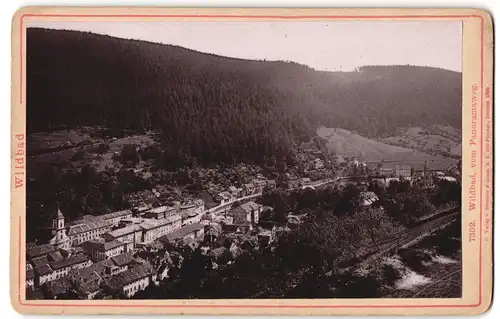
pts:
[217, 108]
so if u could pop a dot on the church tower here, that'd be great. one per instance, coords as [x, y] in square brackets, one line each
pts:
[60, 239]
[426, 175]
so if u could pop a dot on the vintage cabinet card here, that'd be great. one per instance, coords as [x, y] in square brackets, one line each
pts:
[251, 161]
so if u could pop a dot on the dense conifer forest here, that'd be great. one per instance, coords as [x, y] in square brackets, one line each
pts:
[215, 108]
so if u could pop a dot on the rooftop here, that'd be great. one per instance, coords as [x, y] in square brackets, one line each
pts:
[43, 260]
[72, 260]
[161, 209]
[34, 294]
[368, 198]
[88, 287]
[37, 251]
[124, 231]
[129, 276]
[123, 259]
[59, 214]
[58, 286]
[184, 231]
[187, 206]
[93, 272]
[87, 225]
[43, 270]
[433, 165]
[102, 244]
[55, 256]
[185, 215]
[117, 214]
[239, 215]
[30, 274]
[155, 223]
[249, 206]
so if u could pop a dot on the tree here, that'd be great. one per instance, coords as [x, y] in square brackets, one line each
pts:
[417, 206]
[279, 200]
[129, 154]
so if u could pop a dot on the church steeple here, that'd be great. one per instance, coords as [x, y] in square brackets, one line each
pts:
[58, 221]
[59, 213]
[60, 239]
[426, 175]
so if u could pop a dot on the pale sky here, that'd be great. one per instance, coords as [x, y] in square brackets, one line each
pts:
[332, 46]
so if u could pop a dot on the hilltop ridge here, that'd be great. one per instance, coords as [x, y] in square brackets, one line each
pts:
[215, 108]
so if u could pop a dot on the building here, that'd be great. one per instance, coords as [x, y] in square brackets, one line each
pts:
[58, 269]
[292, 183]
[88, 290]
[200, 204]
[84, 230]
[318, 163]
[223, 197]
[99, 249]
[367, 198]
[195, 231]
[30, 278]
[130, 221]
[87, 281]
[129, 282]
[54, 289]
[88, 228]
[144, 198]
[259, 185]
[241, 227]
[235, 192]
[43, 274]
[249, 189]
[34, 294]
[271, 183]
[190, 218]
[306, 181]
[40, 251]
[386, 170]
[124, 260]
[62, 267]
[424, 174]
[132, 233]
[60, 239]
[403, 171]
[193, 208]
[161, 212]
[163, 271]
[247, 212]
[114, 218]
[153, 229]
[368, 201]
[427, 177]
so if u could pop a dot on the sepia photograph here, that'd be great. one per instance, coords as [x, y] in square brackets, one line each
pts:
[243, 159]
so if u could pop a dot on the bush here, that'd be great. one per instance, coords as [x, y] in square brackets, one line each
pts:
[352, 286]
[390, 274]
[78, 156]
[414, 259]
[102, 148]
[129, 153]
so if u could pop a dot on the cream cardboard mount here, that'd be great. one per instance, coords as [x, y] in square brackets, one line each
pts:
[251, 161]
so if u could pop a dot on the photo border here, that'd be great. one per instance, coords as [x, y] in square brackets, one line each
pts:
[18, 241]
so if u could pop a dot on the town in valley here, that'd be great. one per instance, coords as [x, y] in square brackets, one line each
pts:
[155, 171]
[224, 213]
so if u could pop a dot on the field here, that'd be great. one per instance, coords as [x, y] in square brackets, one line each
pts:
[352, 145]
[75, 147]
[437, 140]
